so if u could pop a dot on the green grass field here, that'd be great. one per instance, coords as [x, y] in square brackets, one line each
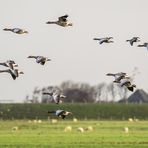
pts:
[105, 134]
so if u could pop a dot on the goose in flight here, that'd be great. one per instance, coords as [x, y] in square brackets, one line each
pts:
[9, 63]
[117, 76]
[134, 39]
[56, 97]
[60, 113]
[16, 30]
[14, 73]
[40, 59]
[144, 45]
[104, 40]
[127, 83]
[62, 21]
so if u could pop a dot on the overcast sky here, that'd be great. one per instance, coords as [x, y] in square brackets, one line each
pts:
[75, 55]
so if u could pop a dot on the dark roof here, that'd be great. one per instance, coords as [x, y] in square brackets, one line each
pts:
[139, 96]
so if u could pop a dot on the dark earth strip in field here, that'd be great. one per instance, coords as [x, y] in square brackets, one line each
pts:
[82, 143]
[113, 142]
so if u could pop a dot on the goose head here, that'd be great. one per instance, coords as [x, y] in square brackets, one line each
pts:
[137, 37]
[108, 38]
[68, 113]
[145, 44]
[15, 65]
[25, 32]
[70, 24]
[134, 85]
[29, 56]
[48, 59]
[127, 78]
[62, 96]
[110, 41]
[21, 72]
[17, 72]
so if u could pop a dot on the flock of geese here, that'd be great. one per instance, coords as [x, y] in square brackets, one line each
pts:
[131, 41]
[15, 72]
[120, 78]
[123, 80]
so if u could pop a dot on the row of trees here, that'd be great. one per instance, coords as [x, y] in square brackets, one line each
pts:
[81, 92]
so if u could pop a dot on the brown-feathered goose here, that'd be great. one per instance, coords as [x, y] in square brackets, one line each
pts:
[144, 45]
[127, 83]
[134, 39]
[60, 113]
[104, 40]
[40, 59]
[62, 21]
[56, 97]
[117, 76]
[16, 30]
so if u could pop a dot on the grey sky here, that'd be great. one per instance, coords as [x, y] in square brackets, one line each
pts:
[75, 55]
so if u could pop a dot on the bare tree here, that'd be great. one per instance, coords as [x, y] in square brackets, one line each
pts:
[36, 95]
[123, 93]
[78, 92]
[113, 91]
[98, 91]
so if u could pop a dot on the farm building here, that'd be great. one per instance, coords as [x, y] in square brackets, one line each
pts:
[139, 96]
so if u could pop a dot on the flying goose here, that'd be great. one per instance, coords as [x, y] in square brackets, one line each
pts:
[14, 73]
[117, 76]
[104, 40]
[16, 30]
[127, 83]
[9, 63]
[40, 59]
[144, 45]
[60, 113]
[62, 21]
[134, 39]
[57, 97]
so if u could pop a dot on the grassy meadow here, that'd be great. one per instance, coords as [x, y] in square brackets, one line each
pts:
[51, 134]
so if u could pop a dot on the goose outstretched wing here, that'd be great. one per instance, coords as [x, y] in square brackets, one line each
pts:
[16, 30]
[9, 71]
[59, 112]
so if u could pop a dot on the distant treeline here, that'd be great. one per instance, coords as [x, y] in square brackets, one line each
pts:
[80, 92]
[80, 110]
